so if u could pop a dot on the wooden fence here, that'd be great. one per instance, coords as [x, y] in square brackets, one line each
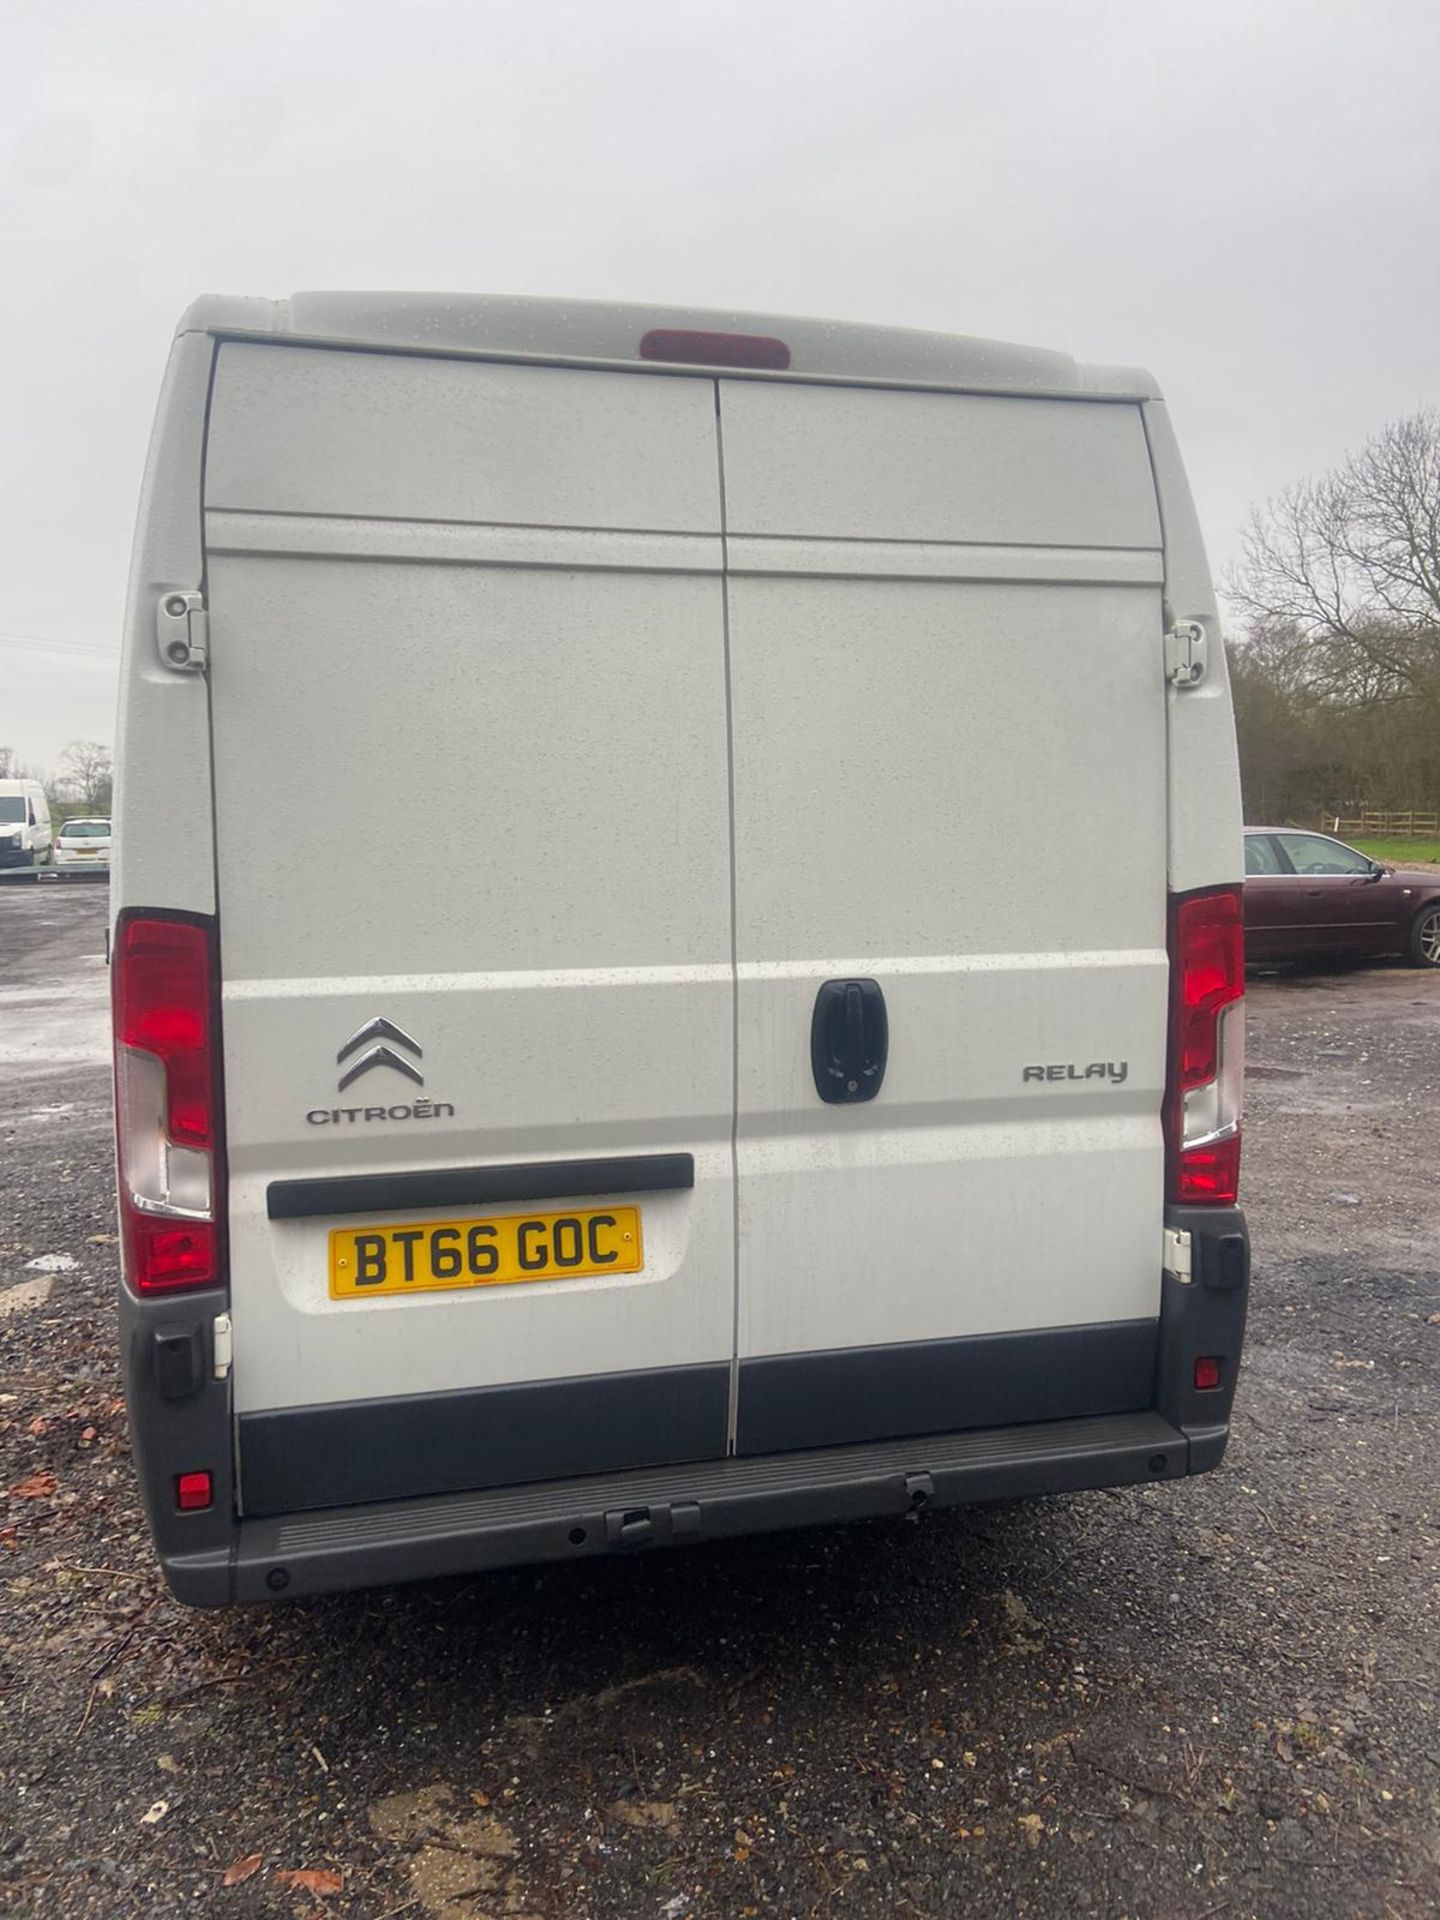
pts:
[1373, 824]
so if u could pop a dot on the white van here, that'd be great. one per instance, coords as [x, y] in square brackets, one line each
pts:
[24, 824]
[809, 1087]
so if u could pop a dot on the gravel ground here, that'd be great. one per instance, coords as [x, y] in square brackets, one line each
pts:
[1183, 1701]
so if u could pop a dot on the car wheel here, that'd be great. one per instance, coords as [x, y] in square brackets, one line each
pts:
[1425, 937]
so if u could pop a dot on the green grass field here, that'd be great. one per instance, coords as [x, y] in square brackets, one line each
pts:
[1401, 853]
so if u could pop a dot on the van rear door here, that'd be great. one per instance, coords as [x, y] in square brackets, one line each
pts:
[498, 588]
[950, 793]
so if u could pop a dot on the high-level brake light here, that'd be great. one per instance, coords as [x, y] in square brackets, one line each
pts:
[1207, 1047]
[166, 1107]
[690, 347]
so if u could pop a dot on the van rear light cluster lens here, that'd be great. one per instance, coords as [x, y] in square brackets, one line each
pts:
[1207, 1047]
[166, 1112]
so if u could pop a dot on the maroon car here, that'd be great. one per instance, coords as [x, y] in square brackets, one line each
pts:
[1308, 897]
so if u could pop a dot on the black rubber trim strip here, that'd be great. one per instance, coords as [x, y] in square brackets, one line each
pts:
[478, 1186]
[353, 1452]
[365, 1450]
[710, 1500]
[945, 1386]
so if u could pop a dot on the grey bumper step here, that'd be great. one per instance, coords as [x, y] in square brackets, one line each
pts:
[701, 1500]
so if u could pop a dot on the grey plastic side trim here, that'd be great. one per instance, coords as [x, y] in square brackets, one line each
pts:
[367, 1450]
[185, 1434]
[945, 1386]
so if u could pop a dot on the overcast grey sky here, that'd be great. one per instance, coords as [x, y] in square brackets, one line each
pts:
[1243, 197]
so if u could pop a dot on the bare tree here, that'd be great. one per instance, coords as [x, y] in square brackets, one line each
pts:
[12, 767]
[87, 768]
[1344, 571]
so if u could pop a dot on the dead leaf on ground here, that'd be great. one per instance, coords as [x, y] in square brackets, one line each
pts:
[38, 1486]
[409, 1817]
[645, 1813]
[320, 1881]
[243, 1870]
[154, 1815]
[1024, 1629]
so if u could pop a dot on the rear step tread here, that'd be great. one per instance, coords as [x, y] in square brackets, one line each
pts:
[709, 1499]
[831, 1467]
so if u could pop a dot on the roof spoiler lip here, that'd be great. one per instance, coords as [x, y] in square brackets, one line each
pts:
[607, 335]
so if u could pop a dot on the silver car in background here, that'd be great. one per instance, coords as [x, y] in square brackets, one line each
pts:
[83, 843]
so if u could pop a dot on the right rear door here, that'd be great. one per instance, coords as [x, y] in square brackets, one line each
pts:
[947, 704]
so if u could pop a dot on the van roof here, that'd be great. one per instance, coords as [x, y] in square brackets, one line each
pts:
[594, 332]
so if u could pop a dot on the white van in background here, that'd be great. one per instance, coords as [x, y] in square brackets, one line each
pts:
[815, 1092]
[24, 824]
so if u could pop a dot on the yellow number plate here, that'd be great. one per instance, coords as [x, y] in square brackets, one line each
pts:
[423, 1256]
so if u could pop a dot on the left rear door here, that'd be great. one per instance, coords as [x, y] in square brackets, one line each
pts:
[498, 587]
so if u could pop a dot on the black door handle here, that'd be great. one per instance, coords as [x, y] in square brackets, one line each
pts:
[849, 1040]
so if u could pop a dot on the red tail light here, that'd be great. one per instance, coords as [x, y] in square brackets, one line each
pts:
[1207, 1047]
[195, 1492]
[166, 1101]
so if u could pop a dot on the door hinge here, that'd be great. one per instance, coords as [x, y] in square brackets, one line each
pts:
[1177, 1257]
[224, 1346]
[182, 630]
[1185, 649]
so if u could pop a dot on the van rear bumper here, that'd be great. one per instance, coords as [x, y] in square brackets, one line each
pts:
[360, 1546]
[1021, 1444]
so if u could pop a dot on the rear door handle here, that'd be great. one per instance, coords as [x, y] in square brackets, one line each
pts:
[849, 1040]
